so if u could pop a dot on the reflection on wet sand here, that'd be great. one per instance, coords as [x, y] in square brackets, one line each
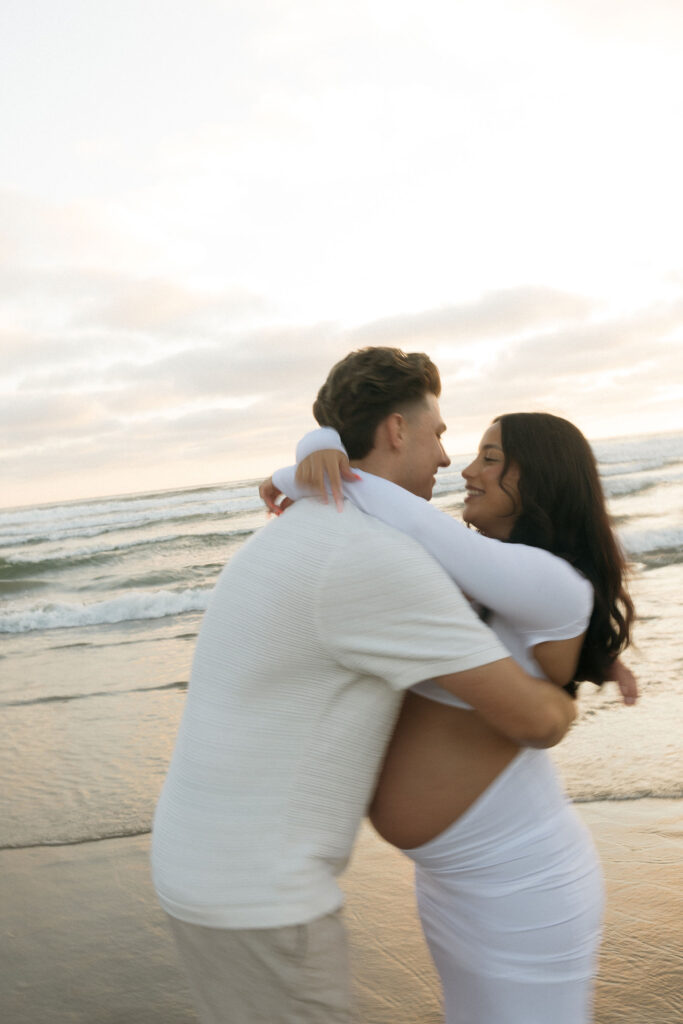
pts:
[83, 939]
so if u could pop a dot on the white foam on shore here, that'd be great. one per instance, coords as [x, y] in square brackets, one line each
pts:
[120, 609]
[32, 557]
[87, 527]
[640, 542]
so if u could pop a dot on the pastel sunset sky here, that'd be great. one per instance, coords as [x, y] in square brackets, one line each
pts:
[204, 204]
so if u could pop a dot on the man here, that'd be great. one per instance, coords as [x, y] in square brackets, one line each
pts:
[315, 629]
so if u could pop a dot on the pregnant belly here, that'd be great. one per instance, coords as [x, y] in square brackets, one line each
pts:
[440, 759]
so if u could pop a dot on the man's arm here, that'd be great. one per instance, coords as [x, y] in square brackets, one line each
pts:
[529, 711]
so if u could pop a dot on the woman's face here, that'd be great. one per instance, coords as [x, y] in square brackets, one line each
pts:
[489, 508]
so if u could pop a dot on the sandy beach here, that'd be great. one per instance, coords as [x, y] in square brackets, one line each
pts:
[84, 942]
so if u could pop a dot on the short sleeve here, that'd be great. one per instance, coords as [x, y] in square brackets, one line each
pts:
[387, 609]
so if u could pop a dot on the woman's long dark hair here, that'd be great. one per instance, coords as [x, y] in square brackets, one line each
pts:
[563, 511]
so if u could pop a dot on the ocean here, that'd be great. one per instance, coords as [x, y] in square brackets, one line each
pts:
[102, 601]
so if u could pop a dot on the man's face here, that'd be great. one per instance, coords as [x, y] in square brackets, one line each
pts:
[422, 451]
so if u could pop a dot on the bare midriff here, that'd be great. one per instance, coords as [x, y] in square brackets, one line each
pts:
[440, 759]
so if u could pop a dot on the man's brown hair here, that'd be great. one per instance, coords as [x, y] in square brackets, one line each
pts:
[367, 386]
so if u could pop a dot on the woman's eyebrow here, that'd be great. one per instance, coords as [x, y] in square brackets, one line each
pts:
[486, 447]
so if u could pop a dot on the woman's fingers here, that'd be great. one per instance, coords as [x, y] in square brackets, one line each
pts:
[346, 471]
[320, 468]
[625, 680]
[333, 465]
[269, 494]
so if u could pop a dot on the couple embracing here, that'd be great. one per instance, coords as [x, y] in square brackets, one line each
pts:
[339, 671]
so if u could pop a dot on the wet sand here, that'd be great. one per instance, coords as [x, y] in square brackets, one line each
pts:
[82, 940]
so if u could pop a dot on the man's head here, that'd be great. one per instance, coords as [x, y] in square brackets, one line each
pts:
[384, 403]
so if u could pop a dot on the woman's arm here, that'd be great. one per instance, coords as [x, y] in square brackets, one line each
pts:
[540, 595]
[527, 586]
[558, 658]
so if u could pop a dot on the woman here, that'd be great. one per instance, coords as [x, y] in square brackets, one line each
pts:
[508, 883]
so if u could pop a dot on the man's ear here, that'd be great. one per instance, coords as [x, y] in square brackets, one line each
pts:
[394, 426]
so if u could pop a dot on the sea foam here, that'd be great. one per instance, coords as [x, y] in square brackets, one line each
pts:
[119, 609]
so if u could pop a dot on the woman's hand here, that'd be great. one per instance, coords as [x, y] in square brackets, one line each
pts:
[628, 684]
[269, 494]
[330, 463]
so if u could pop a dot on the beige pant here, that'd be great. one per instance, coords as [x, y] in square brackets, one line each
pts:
[298, 974]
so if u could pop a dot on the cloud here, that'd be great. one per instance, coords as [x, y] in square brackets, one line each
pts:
[54, 235]
[109, 364]
[266, 360]
[496, 314]
[241, 391]
[606, 346]
[627, 21]
[50, 420]
[161, 305]
[78, 300]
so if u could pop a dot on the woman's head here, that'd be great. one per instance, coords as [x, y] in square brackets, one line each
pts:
[541, 487]
[558, 487]
[492, 499]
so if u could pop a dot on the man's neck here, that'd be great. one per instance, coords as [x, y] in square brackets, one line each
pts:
[379, 464]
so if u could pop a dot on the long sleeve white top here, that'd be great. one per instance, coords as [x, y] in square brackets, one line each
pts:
[532, 594]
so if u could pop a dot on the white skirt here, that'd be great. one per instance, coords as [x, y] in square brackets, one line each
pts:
[511, 900]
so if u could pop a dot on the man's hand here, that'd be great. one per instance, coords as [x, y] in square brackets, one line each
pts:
[625, 680]
[332, 464]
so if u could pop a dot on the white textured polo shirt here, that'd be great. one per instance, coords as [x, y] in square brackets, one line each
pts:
[315, 628]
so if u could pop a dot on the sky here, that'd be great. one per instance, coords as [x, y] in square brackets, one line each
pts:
[204, 204]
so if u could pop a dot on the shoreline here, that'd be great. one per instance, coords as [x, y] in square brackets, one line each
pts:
[579, 803]
[83, 940]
